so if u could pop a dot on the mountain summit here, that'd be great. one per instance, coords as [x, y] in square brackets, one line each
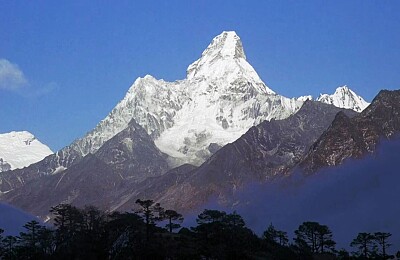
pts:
[20, 149]
[344, 98]
[225, 59]
[190, 119]
[220, 99]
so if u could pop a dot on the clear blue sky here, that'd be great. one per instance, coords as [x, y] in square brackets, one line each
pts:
[66, 64]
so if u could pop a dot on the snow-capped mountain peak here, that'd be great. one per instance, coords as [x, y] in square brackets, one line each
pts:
[20, 149]
[304, 98]
[224, 60]
[227, 44]
[221, 98]
[344, 97]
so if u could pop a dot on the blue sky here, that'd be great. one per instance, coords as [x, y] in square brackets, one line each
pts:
[65, 64]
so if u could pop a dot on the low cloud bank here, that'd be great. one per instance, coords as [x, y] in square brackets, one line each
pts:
[13, 219]
[358, 196]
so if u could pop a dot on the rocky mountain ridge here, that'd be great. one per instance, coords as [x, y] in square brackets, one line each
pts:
[354, 137]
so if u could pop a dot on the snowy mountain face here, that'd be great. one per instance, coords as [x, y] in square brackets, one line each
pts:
[20, 149]
[190, 119]
[344, 98]
[221, 98]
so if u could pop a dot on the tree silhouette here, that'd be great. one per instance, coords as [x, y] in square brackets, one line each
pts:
[68, 221]
[36, 241]
[382, 239]
[209, 216]
[9, 244]
[276, 236]
[171, 216]
[364, 242]
[224, 236]
[151, 212]
[91, 233]
[314, 237]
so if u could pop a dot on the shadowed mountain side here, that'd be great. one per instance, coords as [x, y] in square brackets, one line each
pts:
[270, 149]
[100, 179]
[13, 179]
[133, 154]
[158, 188]
[355, 137]
[90, 182]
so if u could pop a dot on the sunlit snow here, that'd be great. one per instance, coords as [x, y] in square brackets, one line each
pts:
[20, 149]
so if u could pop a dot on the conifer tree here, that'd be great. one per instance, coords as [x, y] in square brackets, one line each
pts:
[151, 213]
[364, 242]
[172, 216]
[277, 236]
[314, 237]
[382, 239]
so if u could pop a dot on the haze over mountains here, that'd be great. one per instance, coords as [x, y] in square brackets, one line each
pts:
[221, 126]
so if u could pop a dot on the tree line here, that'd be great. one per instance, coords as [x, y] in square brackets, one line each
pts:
[90, 233]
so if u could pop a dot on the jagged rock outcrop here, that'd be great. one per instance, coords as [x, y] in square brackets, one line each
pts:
[355, 137]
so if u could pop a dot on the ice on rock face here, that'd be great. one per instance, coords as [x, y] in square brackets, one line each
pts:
[20, 149]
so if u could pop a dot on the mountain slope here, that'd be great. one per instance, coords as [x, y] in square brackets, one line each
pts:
[98, 179]
[353, 138]
[265, 151]
[20, 149]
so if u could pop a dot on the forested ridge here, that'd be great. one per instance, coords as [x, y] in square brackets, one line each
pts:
[90, 233]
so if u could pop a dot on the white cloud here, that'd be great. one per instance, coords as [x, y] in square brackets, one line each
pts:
[11, 77]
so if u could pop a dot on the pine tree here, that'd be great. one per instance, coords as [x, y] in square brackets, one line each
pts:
[69, 223]
[31, 241]
[9, 246]
[364, 242]
[314, 237]
[382, 239]
[151, 213]
[277, 236]
[171, 216]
